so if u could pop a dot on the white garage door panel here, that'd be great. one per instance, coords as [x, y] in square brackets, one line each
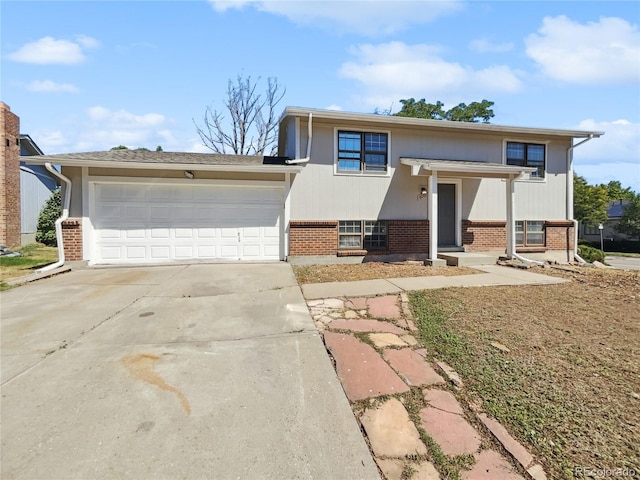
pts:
[155, 223]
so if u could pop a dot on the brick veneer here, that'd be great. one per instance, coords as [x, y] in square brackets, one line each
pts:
[483, 236]
[320, 237]
[559, 235]
[72, 239]
[9, 177]
[313, 237]
[408, 236]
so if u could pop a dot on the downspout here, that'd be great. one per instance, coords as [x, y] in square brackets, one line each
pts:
[569, 198]
[309, 138]
[63, 217]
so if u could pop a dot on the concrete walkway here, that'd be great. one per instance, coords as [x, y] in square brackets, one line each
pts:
[492, 275]
[405, 400]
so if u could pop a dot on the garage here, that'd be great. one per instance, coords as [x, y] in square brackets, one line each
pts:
[142, 223]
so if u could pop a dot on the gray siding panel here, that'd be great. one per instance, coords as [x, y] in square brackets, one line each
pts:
[318, 194]
[35, 190]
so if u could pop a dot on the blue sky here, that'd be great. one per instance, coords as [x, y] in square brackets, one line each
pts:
[91, 75]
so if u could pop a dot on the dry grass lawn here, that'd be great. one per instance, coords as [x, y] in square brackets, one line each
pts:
[569, 389]
[371, 270]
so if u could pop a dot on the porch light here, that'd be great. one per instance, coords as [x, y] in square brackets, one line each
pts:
[423, 190]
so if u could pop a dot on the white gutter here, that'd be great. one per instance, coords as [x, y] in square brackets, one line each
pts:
[309, 138]
[569, 197]
[63, 217]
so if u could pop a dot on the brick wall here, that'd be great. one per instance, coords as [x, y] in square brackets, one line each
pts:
[313, 237]
[72, 239]
[559, 235]
[9, 178]
[483, 236]
[408, 236]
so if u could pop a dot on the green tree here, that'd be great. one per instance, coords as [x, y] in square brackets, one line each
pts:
[629, 223]
[616, 192]
[51, 211]
[474, 112]
[590, 202]
[120, 147]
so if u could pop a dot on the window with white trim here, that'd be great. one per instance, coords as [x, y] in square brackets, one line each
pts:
[527, 155]
[362, 152]
[530, 233]
[362, 234]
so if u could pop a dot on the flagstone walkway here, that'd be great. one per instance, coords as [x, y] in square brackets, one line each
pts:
[379, 360]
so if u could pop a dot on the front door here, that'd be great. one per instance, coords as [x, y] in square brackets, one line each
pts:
[446, 214]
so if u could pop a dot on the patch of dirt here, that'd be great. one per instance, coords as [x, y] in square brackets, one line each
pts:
[569, 387]
[372, 270]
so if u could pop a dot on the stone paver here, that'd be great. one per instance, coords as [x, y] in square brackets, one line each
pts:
[425, 471]
[382, 340]
[452, 432]
[511, 444]
[391, 432]
[537, 472]
[443, 400]
[351, 314]
[358, 303]
[361, 370]
[384, 307]
[451, 374]
[409, 340]
[412, 367]
[491, 466]
[392, 468]
[365, 326]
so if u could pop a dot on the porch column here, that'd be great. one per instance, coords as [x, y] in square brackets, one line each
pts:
[511, 224]
[433, 216]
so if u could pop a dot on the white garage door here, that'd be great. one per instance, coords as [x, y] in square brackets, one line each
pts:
[136, 223]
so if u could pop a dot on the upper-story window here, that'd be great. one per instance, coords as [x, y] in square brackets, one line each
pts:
[362, 152]
[527, 155]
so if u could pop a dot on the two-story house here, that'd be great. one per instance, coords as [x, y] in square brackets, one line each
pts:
[344, 184]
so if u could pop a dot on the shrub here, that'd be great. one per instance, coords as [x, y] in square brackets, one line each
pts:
[591, 254]
[46, 221]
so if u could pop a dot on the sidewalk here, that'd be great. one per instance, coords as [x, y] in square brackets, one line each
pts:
[407, 403]
[493, 275]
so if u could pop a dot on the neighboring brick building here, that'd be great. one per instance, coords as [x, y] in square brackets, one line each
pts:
[9, 178]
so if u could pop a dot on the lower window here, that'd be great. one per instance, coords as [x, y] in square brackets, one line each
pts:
[530, 233]
[362, 234]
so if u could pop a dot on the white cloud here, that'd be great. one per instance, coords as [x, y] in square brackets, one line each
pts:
[48, 50]
[364, 16]
[620, 143]
[51, 86]
[482, 45]
[124, 119]
[607, 51]
[334, 107]
[101, 129]
[50, 141]
[614, 156]
[390, 71]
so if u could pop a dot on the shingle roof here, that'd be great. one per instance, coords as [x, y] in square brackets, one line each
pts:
[145, 159]
[166, 158]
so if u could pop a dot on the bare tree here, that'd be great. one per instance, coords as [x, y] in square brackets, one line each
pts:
[252, 128]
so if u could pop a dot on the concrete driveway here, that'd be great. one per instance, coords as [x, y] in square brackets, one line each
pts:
[168, 372]
[623, 263]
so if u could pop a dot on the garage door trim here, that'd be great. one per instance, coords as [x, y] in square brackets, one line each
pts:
[89, 233]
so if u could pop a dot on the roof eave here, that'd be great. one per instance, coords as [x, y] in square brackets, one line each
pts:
[439, 124]
[465, 169]
[165, 166]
